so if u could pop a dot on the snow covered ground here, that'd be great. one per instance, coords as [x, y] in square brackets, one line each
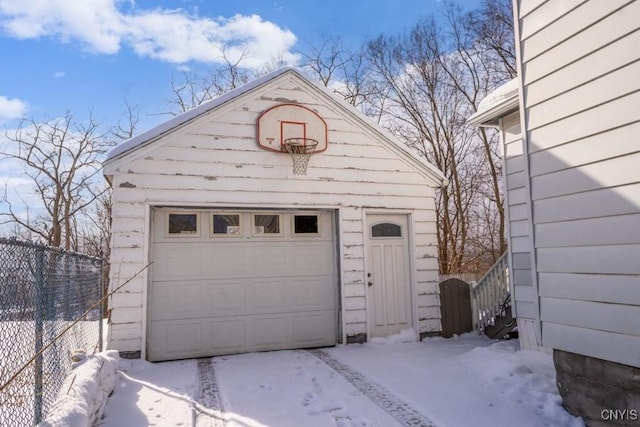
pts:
[463, 381]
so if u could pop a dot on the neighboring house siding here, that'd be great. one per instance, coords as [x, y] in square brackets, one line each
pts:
[581, 92]
[524, 296]
[215, 161]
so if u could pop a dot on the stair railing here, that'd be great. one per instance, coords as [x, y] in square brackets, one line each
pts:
[489, 293]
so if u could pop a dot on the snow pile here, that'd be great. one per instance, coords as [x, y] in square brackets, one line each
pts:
[85, 391]
[525, 377]
[406, 335]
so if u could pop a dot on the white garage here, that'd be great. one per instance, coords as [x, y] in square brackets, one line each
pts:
[231, 281]
[273, 217]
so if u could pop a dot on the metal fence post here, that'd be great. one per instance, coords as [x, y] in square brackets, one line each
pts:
[39, 331]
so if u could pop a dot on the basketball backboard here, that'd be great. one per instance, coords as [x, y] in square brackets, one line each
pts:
[286, 121]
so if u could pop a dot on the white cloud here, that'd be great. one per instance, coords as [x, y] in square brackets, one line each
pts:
[97, 23]
[168, 35]
[11, 108]
[59, 74]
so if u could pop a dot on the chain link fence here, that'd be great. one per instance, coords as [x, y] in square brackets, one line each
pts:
[43, 291]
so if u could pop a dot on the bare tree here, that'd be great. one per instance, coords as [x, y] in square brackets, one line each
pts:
[492, 29]
[128, 122]
[97, 227]
[327, 60]
[428, 114]
[60, 157]
[476, 59]
[343, 70]
[96, 230]
[433, 78]
[195, 89]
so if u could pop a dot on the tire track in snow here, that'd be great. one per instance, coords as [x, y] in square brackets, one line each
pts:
[207, 410]
[401, 411]
[316, 401]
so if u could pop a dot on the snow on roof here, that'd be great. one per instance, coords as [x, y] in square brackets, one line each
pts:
[498, 103]
[180, 119]
[153, 133]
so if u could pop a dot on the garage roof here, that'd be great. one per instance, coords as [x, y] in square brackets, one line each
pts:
[152, 134]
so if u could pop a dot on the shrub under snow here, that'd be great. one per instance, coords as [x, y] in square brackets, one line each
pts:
[85, 391]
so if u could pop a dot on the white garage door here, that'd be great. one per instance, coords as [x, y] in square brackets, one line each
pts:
[227, 282]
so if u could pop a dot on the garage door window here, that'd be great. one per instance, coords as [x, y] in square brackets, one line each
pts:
[226, 224]
[305, 224]
[183, 224]
[266, 224]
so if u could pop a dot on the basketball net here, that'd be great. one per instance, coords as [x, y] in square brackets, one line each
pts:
[300, 150]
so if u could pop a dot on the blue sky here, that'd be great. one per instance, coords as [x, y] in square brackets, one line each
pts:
[92, 54]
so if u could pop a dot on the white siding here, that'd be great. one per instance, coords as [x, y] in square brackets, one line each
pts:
[214, 161]
[519, 235]
[529, 335]
[590, 34]
[426, 266]
[581, 86]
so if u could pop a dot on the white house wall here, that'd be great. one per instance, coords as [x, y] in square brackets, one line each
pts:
[524, 295]
[581, 81]
[214, 161]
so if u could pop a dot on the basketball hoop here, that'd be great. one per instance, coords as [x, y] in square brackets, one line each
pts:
[301, 150]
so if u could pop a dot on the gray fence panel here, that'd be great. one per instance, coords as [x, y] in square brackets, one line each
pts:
[43, 292]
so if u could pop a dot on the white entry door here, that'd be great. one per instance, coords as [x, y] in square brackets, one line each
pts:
[388, 275]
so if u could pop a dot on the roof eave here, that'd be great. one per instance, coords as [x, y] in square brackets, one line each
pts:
[490, 116]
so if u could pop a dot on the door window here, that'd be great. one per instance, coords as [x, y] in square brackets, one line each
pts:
[386, 229]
